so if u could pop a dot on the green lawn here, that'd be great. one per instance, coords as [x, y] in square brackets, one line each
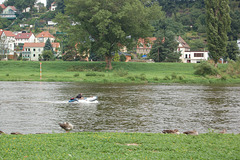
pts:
[131, 72]
[120, 146]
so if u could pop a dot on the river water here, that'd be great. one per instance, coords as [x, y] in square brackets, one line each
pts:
[38, 107]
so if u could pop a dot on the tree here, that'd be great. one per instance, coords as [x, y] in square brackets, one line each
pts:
[218, 24]
[102, 25]
[164, 48]
[47, 55]
[232, 51]
[48, 46]
[60, 6]
[49, 2]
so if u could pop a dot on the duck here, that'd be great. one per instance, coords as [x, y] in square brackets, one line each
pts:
[168, 131]
[16, 133]
[193, 132]
[66, 126]
[223, 131]
[1, 132]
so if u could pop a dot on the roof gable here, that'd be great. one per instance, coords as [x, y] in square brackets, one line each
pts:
[183, 43]
[9, 34]
[24, 35]
[45, 34]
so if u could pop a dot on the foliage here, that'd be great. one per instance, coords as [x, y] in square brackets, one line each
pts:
[233, 68]
[218, 24]
[121, 72]
[48, 46]
[123, 58]
[164, 48]
[47, 55]
[116, 57]
[232, 51]
[205, 68]
[101, 26]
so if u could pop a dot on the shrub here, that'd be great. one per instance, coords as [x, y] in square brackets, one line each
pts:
[132, 78]
[174, 76]
[155, 78]
[205, 68]
[76, 75]
[95, 74]
[166, 78]
[121, 72]
[122, 58]
[143, 77]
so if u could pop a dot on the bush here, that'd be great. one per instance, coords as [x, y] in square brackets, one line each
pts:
[95, 74]
[166, 78]
[76, 75]
[122, 58]
[174, 76]
[121, 72]
[205, 68]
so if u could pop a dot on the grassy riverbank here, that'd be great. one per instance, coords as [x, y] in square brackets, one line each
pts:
[119, 146]
[131, 72]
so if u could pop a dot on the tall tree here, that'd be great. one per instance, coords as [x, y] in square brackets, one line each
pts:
[218, 24]
[49, 2]
[101, 25]
[48, 46]
[164, 48]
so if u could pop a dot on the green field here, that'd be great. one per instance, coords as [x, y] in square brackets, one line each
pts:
[131, 72]
[95, 145]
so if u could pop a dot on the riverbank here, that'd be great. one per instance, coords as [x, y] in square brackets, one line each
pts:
[99, 145]
[94, 72]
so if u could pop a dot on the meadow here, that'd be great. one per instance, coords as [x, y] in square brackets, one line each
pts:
[95, 72]
[99, 145]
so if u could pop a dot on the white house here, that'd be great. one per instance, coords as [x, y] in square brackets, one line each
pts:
[24, 37]
[43, 36]
[7, 40]
[9, 12]
[194, 56]
[53, 6]
[238, 43]
[33, 51]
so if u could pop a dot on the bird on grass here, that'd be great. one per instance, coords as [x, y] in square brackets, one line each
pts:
[194, 132]
[175, 131]
[66, 126]
[223, 131]
[1, 132]
[16, 133]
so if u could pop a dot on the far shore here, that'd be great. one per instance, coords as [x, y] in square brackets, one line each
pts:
[122, 72]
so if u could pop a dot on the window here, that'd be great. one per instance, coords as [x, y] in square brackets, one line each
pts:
[198, 54]
[28, 49]
[34, 49]
[33, 55]
[39, 49]
[185, 55]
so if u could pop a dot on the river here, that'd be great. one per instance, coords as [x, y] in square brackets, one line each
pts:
[38, 107]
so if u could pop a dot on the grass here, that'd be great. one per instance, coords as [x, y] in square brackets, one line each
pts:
[99, 145]
[95, 72]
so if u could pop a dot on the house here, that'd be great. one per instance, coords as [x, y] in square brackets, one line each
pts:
[9, 12]
[182, 48]
[53, 6]
[188, 56]
[194, 56]
[7, 40]
[238, 43]
[43, 36]
[2, 6]
[33, 51]
[24, 37]
[144, 46]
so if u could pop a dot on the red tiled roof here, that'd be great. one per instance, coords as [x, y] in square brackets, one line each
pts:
[2, 6]
[55, 45]
[184, 44]
[148, 40]
[1, 31]
[33, 45]
[45, 34]
[23, 35]
[9, 34]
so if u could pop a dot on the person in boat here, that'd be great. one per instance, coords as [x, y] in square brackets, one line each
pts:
[79, 96]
